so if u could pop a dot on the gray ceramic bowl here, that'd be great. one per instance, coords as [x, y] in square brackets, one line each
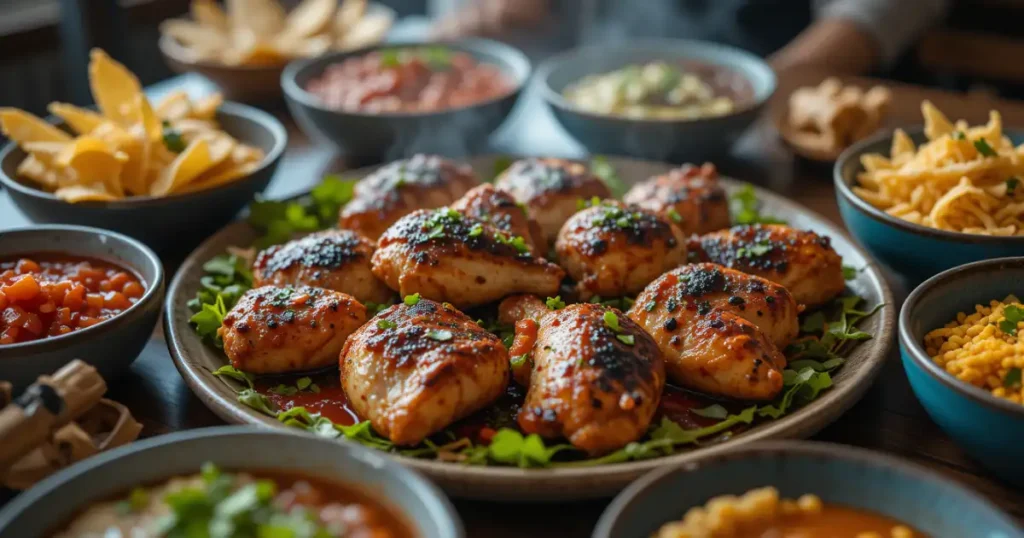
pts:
[375, 137]
[171, 223]
[990, 429]
[838, 474]
[49, 504]
[672, 140]
[912, 249]
[244, 83]
[111, 345]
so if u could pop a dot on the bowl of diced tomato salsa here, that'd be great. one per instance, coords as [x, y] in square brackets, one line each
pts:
[72, 292]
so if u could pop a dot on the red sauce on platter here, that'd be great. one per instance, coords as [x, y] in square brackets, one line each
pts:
[51, 294]
[409, 80]
[330, 401]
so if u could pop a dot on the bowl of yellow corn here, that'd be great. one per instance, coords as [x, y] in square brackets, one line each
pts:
[962, 344]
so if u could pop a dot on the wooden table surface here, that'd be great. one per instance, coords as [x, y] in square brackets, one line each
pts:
[888, 419]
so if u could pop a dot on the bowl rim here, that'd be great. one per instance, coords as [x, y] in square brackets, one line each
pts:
[913, 349]
[154, 290]
[845, 191]
[265, 120]
[293, 91]
[789, 449]
[554, 98]
[173, 50]
[436, 501]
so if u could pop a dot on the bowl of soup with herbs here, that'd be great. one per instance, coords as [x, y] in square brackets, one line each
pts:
[801, 490]
[199, 484]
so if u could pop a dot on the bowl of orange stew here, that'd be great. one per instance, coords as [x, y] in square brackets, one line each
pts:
[191, 483]
[391, 101]
[801, 490]
[72, 292]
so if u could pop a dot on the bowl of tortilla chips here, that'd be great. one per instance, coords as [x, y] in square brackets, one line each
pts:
[244, 46]
[167, 172]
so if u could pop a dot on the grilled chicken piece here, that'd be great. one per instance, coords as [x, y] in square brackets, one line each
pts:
[413, 370]
[446, 256]
[802, 261]
[595, 376]
[551, 189]
[719, 330]
[277, 330]
[689, 196]
[613, 250]
[399, 188]
[499, 209]
[337, 260]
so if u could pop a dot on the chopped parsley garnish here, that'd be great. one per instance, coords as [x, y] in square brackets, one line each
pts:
[555, 303]
[1011, 185]
[1013, 315]
[612, 321]
[959, 135]
[674, 215]
[516, 242]
[303, 383]
[441, 335]
[519, 360]
[1012, 379]
[476, 230]
[385, 324]
[849, 273]
[627, 339]
[411, 300]
[583, 203]
[754, 251]
[172, 138]
[983, 148]
[600, 167]
[746, 208]
[281, 221]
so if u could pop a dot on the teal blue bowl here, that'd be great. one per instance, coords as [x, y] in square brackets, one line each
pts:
[915, 251]
[852, 477]
[990, 429]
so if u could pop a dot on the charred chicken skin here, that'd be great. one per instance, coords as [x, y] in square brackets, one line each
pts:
[719, 330]
[551, 189]
[500, 209]
[337, 260]
[612, 250]
[802, 261]
[689, 196]
[446, 256]
[413, 370]
[595, 377]
[277, 330]
[399, 188]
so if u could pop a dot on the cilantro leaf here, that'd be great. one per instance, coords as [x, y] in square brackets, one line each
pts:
[604, 170]
[983, 148]
[555, 303]
[1012, 315]
[1012, 379]
[230, 371]
[712, 411]
[746, 208]
[849, 273]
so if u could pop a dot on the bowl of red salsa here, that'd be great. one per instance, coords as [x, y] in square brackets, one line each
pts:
[392, 101]
[72, 292]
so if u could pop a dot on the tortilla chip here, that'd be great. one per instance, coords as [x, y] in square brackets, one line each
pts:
[84, 193]
[208, 13]
[81, 120]
[310, 18]
[186, 167]
[40, 170]
[91, 160]
[221, 174]
[174, 106]
[114, 88]
[22, 127]
[206, 108]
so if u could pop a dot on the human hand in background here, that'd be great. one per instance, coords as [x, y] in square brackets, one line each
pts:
[491, 18]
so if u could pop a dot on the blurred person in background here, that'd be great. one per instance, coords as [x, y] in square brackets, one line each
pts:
[849, 36]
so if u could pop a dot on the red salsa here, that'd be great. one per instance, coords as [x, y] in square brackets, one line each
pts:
[45, 295]
[409, 80]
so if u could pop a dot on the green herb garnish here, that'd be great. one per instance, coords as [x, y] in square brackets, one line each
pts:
[476, 230]
[1012, 379]
[715, 411]
[627, 339]
[555, 303]
[411, 300]
[604, 170]
[674, 215]
[1011, 185]
[746, 208]
[983, 148]
[612, 321]
[959, 135]
[441, 335]
[1012, 315]
[849, 273]
[172, 138]
[385, 324]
